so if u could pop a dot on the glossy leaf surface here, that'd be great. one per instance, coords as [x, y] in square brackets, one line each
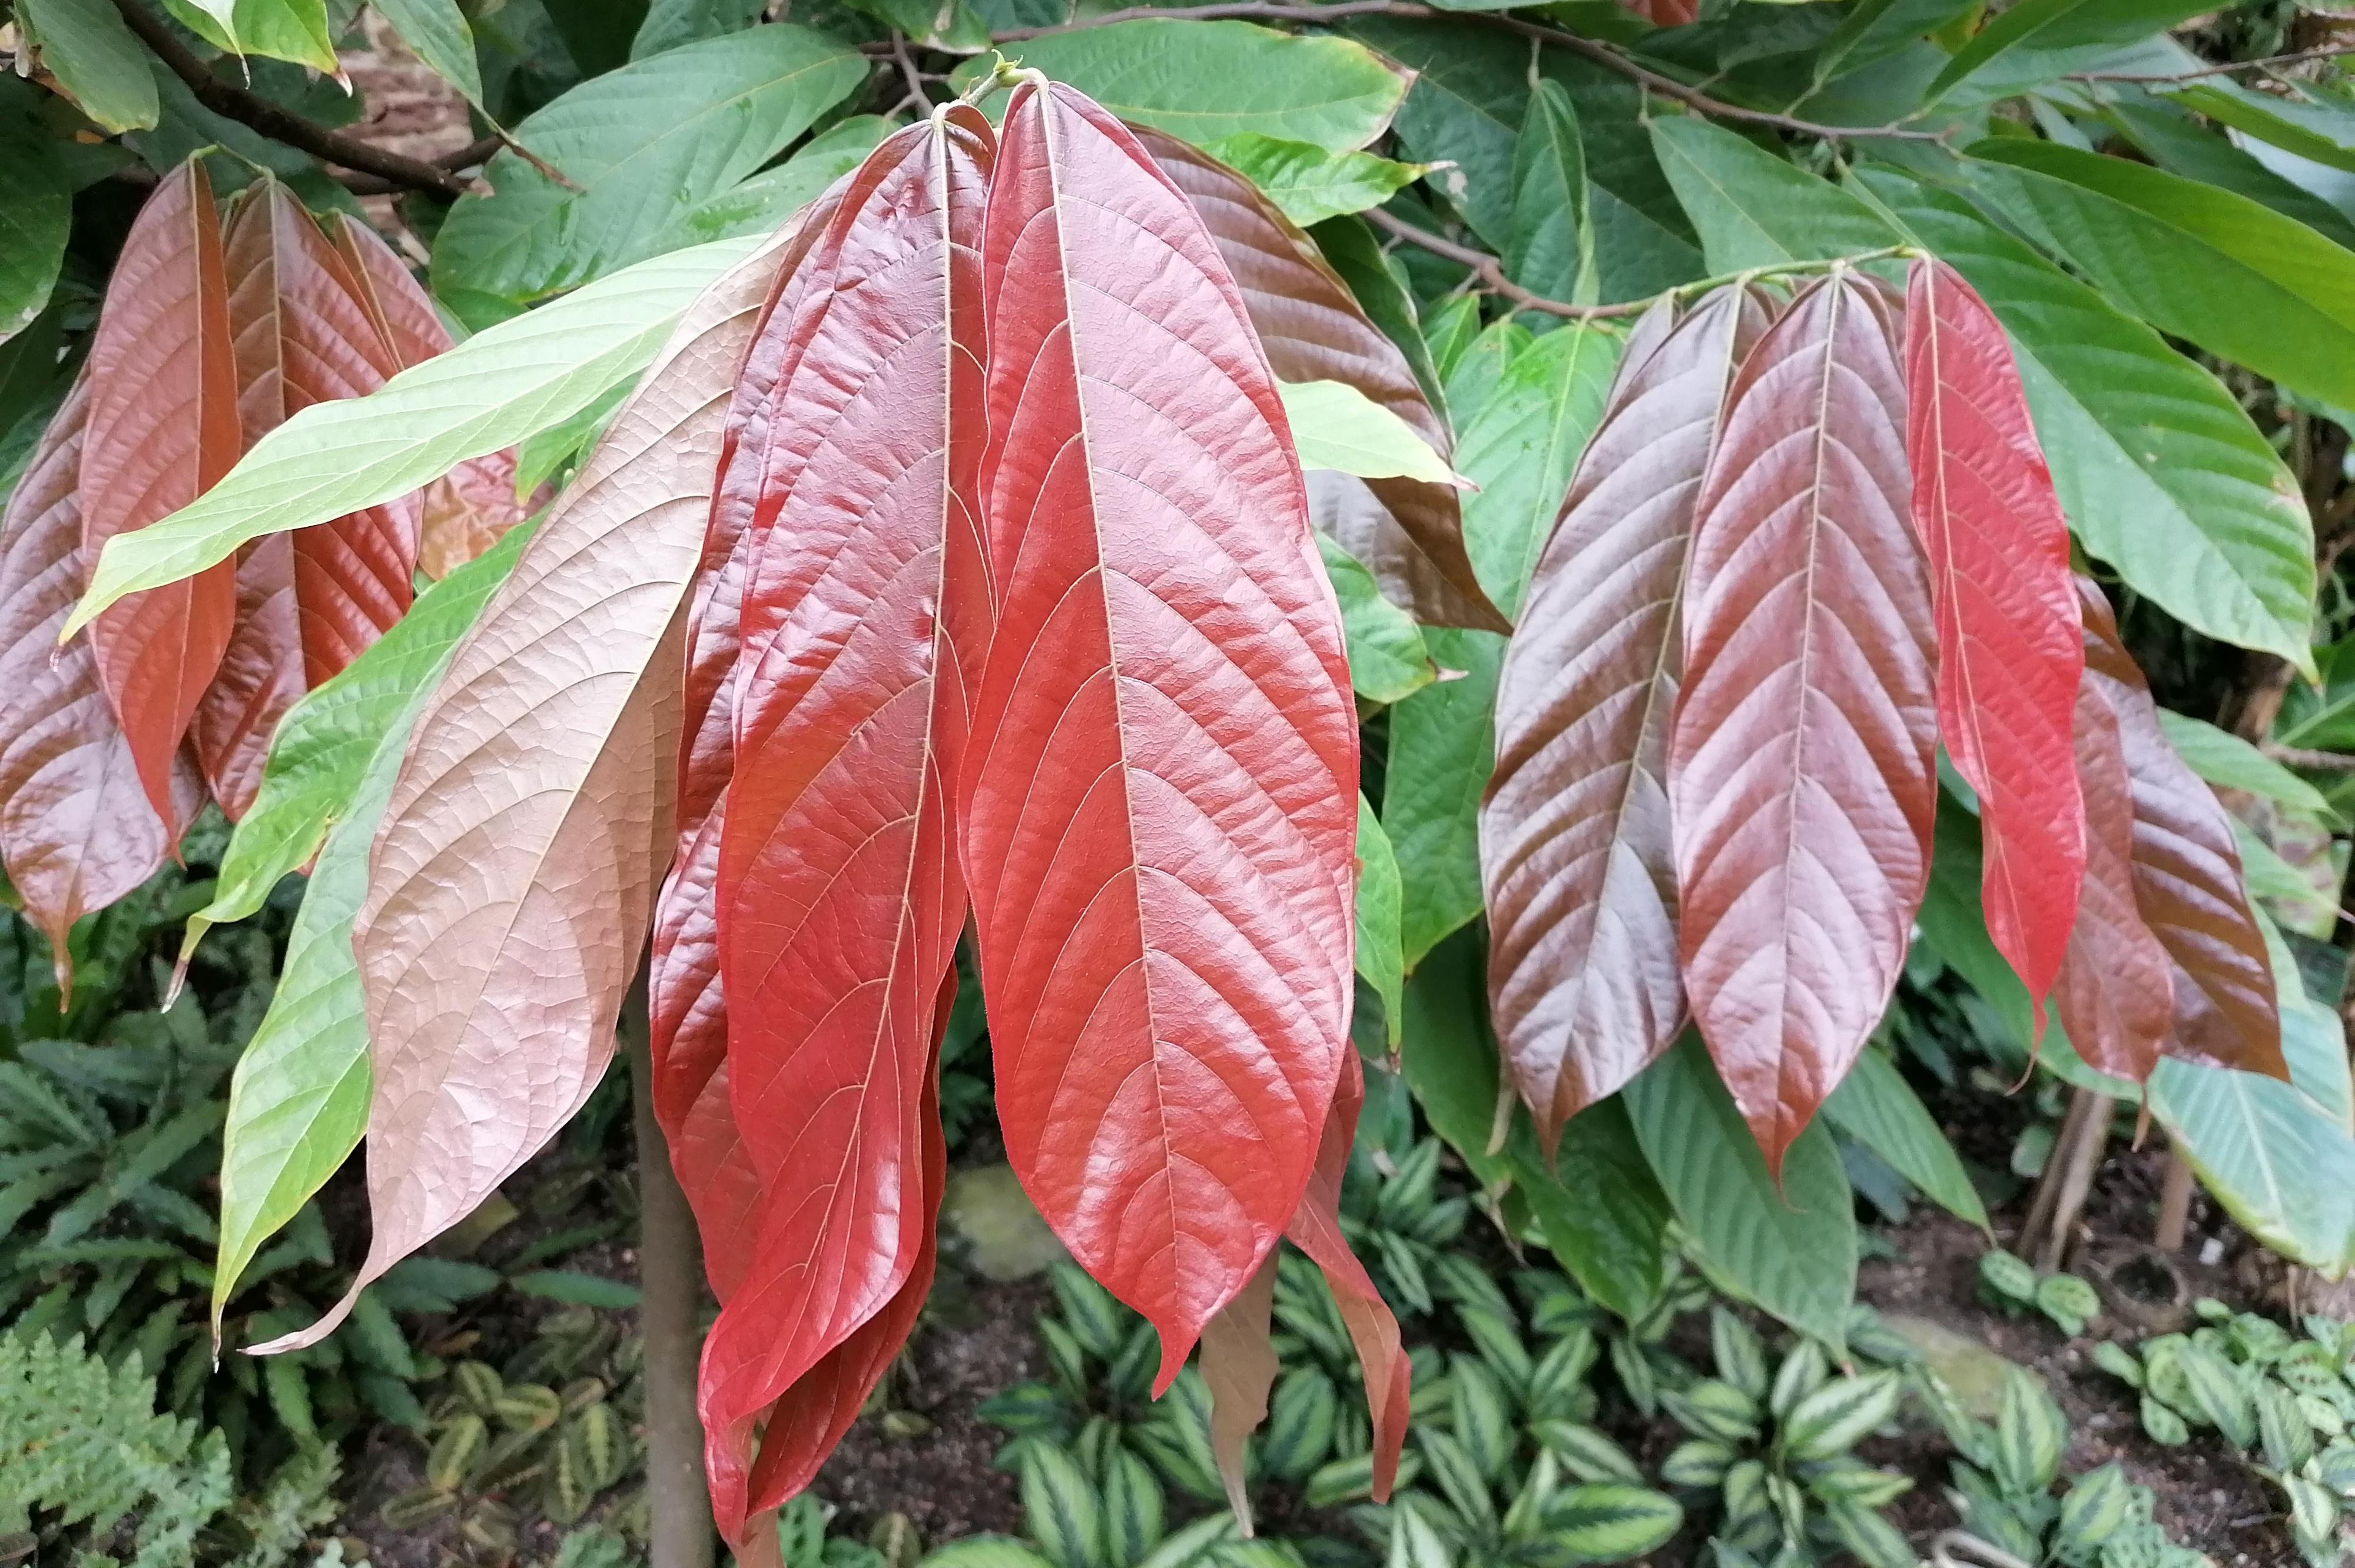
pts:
[162, 428]
[2114, 996]
[1159, 819]
[1576, 859]
[1309, 184]
[1799, 771]
[2009, 652]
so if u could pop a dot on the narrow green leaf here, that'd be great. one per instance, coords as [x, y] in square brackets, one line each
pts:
[1551, 248]
[1754, 209]
[2227, 761]
[577, 1289]
[2170, 137]
[1379, 958]
[436, 33]
[2316, 126]
[1388, 659]
[1443, 749]
[35, 215]
[2043, 40]
[1309, 184]
[1876, 1107]
[1379, 286]
[1792, 1252]
[87, 48]
[645, 144]
[491, 390]
[1521, 447]
[1337, 427]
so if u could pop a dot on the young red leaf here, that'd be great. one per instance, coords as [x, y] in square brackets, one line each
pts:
[1410, 534]
[2116, 990]
[75, 830]
[1160, 820]
[512, 880]
[2009, 652]
[1800, 777]
[162, 429]
[1239, 1365]
[1575, 841]
[2187, 875]
[838, 896]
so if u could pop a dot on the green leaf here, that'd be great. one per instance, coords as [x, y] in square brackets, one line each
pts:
[2161, 472]
[1608, 1521]
[1378, 959]
[2043, 40]
[2030, 1435]
[1839, 1415]
[647, 145]
[1379, 286]
[1604, 1217]
[36, 214]
[1443, 749]
[1754, 209]
[282, 29]
[1337, 427]
[1059, 1508]
[2227, 761]
[1388, 660]
[491, 390]
[2314, 127]
[436, 33]
[322, 751]
[1551, 248]
[577, 1289]
[1309, 184]
[1876, 29]
[2237, 278]
[1521, 447]
[86, 45]
[1790, 1252]
[1209, 80]
[2170, 137]
[766, 200]
[670, 23]
[1134, 1511]
[539, 457]
[2277, 1163]
[1449, 1057]
[1876, 1107]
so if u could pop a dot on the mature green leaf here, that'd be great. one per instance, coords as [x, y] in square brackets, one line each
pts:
[1876, 1107]
[2227, 761]
[87, 48]
[2161, 472]
[1875, 29]
[489, 392]
[1379, 960]
[1311, 185]
[1608, 1521]
[1388, 659]
[436, 33]
[645, 144]
[1478, 368]
[1552, 251]
[1754, 209]
[2234, 277]
[1790, 1252]
[37, 213]
[541, 456]
[1335, 426]
[670, 23]
[1604, 1217]
[2295, 899]
[1206, 82]
[1449, 1059]
[282, 29]
[1061, 1509]
[983, 1551]
[2043, 40]
[1443, 745]
[1521, 447]
[2172, 139]
[2284, 1171]
[2030, 1435]
[772, 196]
[2316, 126]
[1379, 284]
[576, 1288]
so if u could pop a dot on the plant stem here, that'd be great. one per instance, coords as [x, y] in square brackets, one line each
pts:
[1491, 274]
[2079, 1158]
[670, 1277]
[2267, 62]
[2174, 1203]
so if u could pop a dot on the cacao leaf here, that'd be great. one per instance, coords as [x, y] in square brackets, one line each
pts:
[2009, 653]
[1164, 1054]
[2115, 987]
[1239, 1366]
[1574, 836]
[160, 430]
[1408, 533]
[510, 884]
[1799, 771]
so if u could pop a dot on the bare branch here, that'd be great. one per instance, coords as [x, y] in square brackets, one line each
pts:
[1491, 275]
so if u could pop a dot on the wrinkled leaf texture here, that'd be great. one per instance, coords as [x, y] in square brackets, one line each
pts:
[1159, 813]
[2115, 987]
[2009, 650]
[1408, 533]
[510, 885]
[838, 895]
[1574, 839]
[161, 430]
[2187, 875]
[1799, 771]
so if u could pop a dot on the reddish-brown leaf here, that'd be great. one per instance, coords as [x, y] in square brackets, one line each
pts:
[162, 428]
[2187, 875]
[511, 882]
[1160, 819]
[838, 895]
[1239, 1366]
[2115, 988]
[1666, 13]
[2009, 651]
[1800, 778]
[261, 676]
[1410, 534]
[1574, 843]
[75, 830]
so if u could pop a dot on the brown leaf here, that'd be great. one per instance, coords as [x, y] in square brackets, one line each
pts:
[2115, 993]
[2187, 875]
[1239, 1365]
[512, 880]
[1410, 534]
[1574, 837]
[75, 830]
[1800, 777]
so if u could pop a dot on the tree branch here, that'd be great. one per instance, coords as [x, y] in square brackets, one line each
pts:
[1485, 268]
[2267, 62]
[233, 103]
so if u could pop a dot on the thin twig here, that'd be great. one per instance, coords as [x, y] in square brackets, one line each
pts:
[908, 72]
[279, 124]
[2299, 757]
[548, 171]
[1485, 268]
[2267, 62]
[471, 156]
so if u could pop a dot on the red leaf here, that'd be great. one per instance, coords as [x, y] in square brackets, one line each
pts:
[1410, 534]
[2116, 990]
[76, 829]
[1574, 840]
[2009, 652]
[1159, 822]
[163, 429]
[1666, 13]
[261, 676]
[2187, 875]
[838, 896]
[1800, 777]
